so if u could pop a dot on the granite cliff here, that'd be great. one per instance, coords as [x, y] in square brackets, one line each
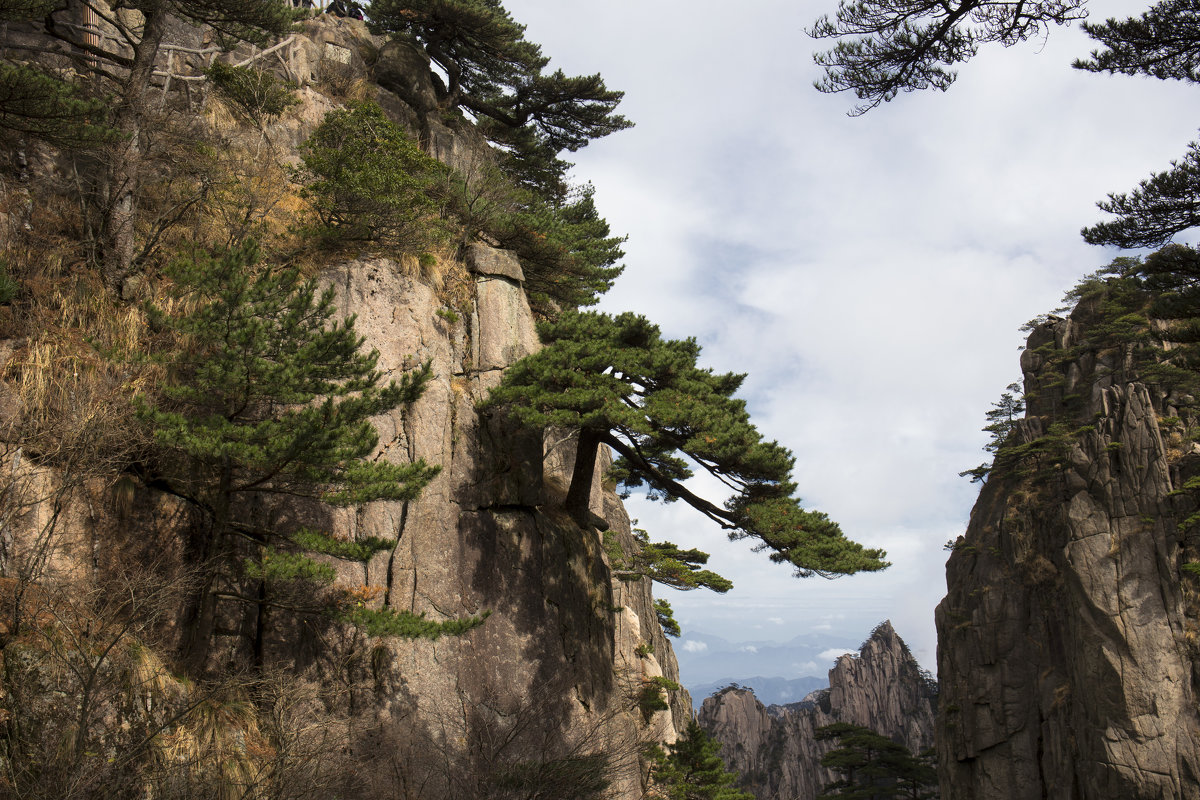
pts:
[551, 679]
[1066, 641]
[774, 748]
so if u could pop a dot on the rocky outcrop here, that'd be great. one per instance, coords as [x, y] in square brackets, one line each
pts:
[555, 673]
[774, 748]
[1066, 641]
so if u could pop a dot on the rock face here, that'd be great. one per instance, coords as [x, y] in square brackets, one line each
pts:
[559, 646]
[555, 672]
[774, 748]
[1066, 641]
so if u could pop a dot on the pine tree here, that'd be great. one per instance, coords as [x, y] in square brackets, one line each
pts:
[666, 618]
[618, 382]
[492, 71]
[1161, 207]
[567, 253]
[890, 46]
[873, 767]
[266, 396]
[886, 47]
[1001, 421]
[369, 182]
[666, 563]
[692, 770]
[36, 104]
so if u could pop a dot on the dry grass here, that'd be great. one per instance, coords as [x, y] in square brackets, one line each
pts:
[218, 745]
[76, 378]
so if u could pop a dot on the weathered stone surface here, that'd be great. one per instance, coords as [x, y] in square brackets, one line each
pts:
[774, 748]
[1063, 650]
[503, 324]
[485, 536]
[484, 260]
[403, 69]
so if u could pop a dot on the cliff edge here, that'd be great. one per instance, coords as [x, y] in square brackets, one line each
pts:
[1067, 638]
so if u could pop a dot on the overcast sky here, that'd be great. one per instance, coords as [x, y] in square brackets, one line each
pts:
[869, 274]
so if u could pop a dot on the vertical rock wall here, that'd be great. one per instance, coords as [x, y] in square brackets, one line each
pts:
[1066, 641]
[557, 653]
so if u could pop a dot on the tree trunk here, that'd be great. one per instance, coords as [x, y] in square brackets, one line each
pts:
[127, 155]
[202, 624]
[578, 496]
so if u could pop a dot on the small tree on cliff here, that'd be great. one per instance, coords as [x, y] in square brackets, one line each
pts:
[873, 767]
[265, 396]
[619, 383]
[665, 563]
[692, 770]
[368, 181]
[1001, 421]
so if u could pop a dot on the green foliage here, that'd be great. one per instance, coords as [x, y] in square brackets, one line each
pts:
[618, 382]
[407, 625]
[281, 567]
[873, 767]
[667, 564]
[9, 288]
[488, 68]
[256, 94]
[643, 650]
[318, 542]
[1161, 43]
[568, 257]
[523, 202]
[264, 394]
[1191, 568]
[653, 695]
[666, 618]
[369, 182]
[690, 769]
[1163, 205]
[1001, 421]
[37, 104]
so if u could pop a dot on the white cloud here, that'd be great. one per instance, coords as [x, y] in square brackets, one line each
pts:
[693, 646]
[833, 654]
[748, 649]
